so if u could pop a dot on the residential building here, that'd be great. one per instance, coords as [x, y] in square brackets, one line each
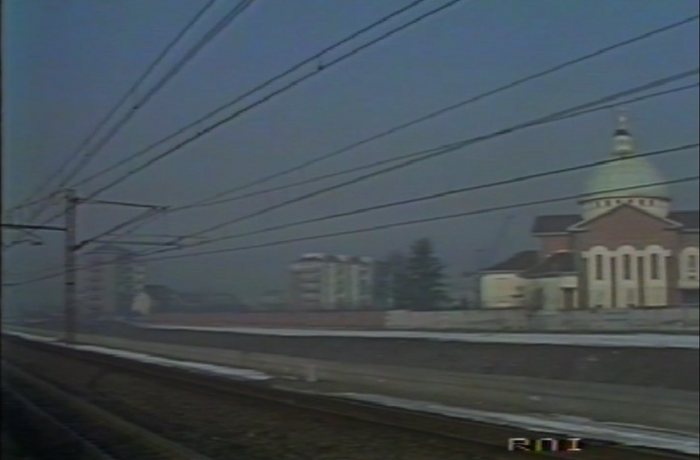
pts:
[110, 281]
[626, 248]
[331, 282]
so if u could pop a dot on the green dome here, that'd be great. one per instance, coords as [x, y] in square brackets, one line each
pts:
[634, 174]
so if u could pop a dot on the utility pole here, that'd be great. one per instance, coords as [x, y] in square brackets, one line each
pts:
[69, 305]
[72, 246]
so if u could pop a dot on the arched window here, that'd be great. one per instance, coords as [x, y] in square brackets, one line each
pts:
[627, 266]
[599, 275]
[655, 267]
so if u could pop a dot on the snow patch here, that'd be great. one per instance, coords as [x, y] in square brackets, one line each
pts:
[230, 372]
[630, 435]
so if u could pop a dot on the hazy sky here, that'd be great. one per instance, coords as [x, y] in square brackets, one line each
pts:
[66, 63]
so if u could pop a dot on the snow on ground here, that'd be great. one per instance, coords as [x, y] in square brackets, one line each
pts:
[590, 340]
[234, 373]
[37, 338]
[556, 424]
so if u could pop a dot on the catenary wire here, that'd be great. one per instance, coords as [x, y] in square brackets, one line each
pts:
[424, 155]
[485, 210]
[154, 64]
[257, 103]
[569, 113]
[434, 114]
[444, 194]
[250, 92]
[401, 157]
[191, 53]
[450, 108]
[268, 97]
[395, 159]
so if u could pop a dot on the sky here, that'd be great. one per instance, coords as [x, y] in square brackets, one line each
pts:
[67, 63]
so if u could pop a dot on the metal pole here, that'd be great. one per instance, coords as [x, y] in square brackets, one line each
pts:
[70, 268]
[478, 259]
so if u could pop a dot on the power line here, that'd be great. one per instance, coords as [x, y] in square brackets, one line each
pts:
[434, 114]
[263, 85]
[120, 103]
[422, 221]
[485, 210]
[264, 99]
[450, 108]
[424, 155]
[192, 52]
[400, 157]
[434, 196]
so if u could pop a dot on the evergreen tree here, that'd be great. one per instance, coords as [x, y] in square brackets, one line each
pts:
[389, 282]
[424, 278]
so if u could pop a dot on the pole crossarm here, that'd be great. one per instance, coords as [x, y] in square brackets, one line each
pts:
[34, 227]
[123, 203]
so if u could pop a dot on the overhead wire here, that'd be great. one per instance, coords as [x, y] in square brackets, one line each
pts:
[180, 145]
[191, 53]
[444, 194]
[263, 100]
[452, 107]
[424, 155]
[374, 228]
[346, 171]
[149, 70]
[265, 84]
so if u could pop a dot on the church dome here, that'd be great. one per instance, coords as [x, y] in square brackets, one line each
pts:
[630, 177]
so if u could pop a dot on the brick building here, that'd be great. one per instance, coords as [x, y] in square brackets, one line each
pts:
[627, 247]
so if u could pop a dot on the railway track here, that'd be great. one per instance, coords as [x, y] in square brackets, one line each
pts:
[488, 440]
[66, 427]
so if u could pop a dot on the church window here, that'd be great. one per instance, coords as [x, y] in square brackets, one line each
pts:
[655, 262]
[627, 266]
[599, 267]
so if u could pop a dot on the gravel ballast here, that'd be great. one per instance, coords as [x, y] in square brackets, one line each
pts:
[234, 428]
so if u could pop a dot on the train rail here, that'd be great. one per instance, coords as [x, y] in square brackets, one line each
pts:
[488, 440]
[68, 427]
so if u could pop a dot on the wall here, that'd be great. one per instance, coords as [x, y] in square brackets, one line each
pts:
[499, 290]
[501, 319]
[321, 319]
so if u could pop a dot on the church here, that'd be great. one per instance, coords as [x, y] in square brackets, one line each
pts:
[626, 248]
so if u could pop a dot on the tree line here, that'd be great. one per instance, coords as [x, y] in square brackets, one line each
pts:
[412, 280]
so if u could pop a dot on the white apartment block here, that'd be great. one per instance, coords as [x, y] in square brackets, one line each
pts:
[331, 282]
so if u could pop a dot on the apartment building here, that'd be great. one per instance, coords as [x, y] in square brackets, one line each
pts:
[110, 281]
[331, 282]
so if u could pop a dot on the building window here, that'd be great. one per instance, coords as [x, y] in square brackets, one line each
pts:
[627, 266]
[607, 203]
[599, 267]
[692, 263]
[655, 269]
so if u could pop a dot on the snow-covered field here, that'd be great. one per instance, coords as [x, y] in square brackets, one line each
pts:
[589, 340]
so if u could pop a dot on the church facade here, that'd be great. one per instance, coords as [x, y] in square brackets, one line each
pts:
[627, 248]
